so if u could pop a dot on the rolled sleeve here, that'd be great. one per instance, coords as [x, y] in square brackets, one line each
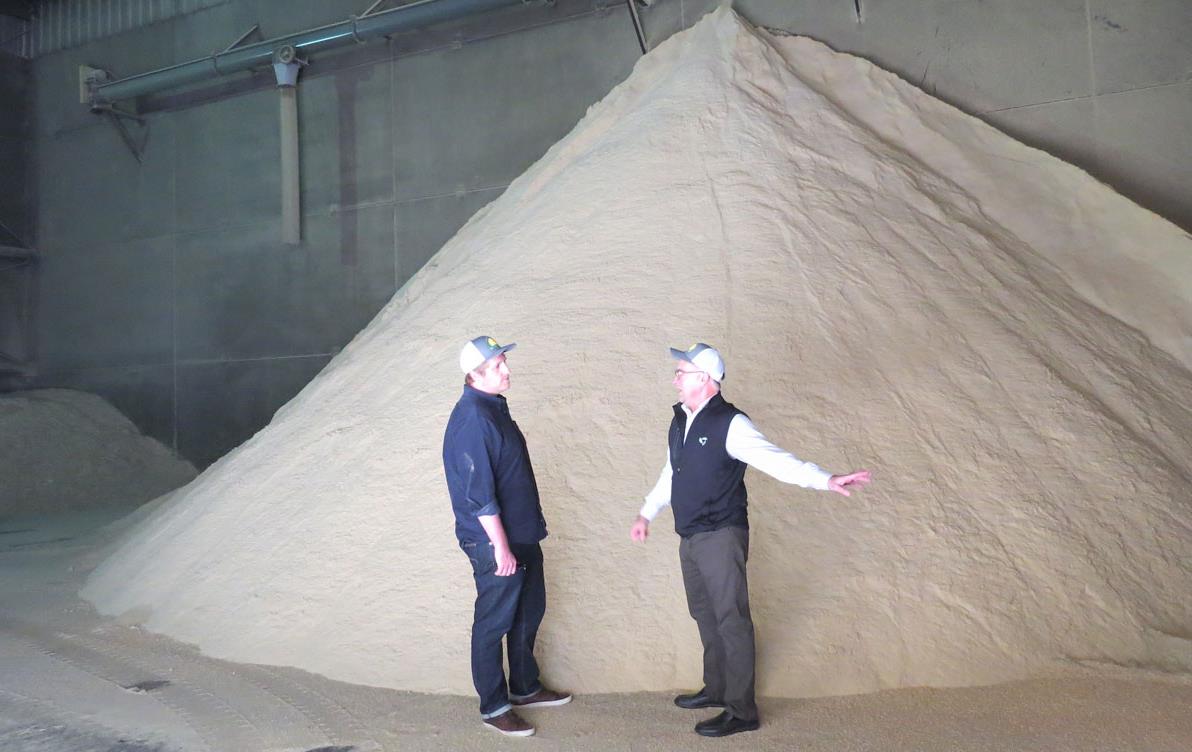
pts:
[475, 471]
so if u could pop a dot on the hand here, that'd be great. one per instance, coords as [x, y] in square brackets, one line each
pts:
[840, 483]
[640, 530]
[506, 561]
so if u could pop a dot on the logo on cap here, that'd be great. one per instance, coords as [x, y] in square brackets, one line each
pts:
[476, 351]
[704, 357]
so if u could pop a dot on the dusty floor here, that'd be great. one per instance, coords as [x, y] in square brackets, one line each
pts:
[73, 682]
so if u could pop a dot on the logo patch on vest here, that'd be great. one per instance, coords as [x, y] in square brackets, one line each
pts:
[703, 440]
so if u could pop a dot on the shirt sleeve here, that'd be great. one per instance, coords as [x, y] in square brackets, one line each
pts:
[473, 465]
[747, 444]
[660, 495]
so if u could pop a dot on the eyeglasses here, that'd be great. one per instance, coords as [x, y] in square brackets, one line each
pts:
[680, 373]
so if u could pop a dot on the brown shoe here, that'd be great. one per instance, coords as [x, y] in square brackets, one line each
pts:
[510, 724]
[543, 698]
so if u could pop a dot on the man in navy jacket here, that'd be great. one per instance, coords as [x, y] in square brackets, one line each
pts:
[499, 524]
[710, 443]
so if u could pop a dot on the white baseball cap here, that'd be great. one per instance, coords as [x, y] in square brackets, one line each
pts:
[480, 349]
[704, 357]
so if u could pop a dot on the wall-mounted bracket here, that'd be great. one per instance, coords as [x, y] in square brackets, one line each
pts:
[256, 29]
[372, 8]
[89, 78]
[118, 118]
[637, 23]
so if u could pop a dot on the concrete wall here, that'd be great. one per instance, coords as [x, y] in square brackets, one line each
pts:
[16, 144]
[164, 285]
[16, 216]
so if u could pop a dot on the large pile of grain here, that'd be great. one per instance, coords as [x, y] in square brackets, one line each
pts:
[1004, 341]
[66, 450]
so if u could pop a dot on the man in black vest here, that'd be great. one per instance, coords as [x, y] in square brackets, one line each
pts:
[710, 444]
[499, 524]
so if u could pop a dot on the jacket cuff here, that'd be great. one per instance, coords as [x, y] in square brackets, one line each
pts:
[492, 508]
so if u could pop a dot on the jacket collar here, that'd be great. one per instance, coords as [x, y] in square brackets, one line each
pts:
[473, 394]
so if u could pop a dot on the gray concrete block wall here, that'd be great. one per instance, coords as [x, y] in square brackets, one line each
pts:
[168, 277]
[166, 287]
[16, 144]
[220, 404]
[16, 216]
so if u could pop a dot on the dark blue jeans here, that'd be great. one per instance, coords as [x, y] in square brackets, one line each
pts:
[511, 609]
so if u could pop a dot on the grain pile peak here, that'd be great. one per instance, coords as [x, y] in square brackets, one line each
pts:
[895, 285]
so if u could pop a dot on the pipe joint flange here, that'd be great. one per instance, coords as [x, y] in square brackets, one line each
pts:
[286, 65]
[285, 55]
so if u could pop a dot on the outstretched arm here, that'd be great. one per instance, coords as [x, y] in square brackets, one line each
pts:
[840, 483]
[747, 444]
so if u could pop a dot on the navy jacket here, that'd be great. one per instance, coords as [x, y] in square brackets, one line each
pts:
[488, 470]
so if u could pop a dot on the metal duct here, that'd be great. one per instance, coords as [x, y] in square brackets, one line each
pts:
[286, 69]
[355, 29]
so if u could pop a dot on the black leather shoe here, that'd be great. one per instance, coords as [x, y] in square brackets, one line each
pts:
[724, 724]
[697, 700]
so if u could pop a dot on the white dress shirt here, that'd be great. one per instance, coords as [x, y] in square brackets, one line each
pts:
[746, 444]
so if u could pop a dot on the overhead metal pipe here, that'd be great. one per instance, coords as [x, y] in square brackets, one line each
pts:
[355, 29]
